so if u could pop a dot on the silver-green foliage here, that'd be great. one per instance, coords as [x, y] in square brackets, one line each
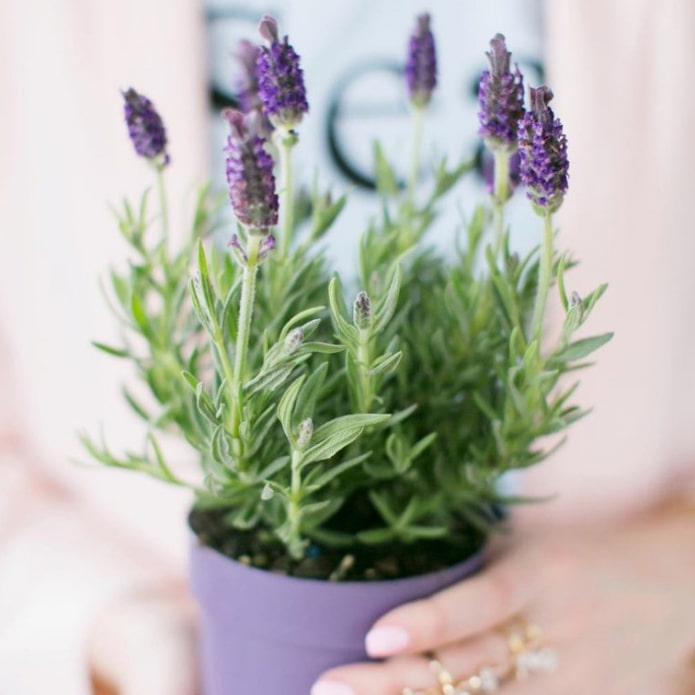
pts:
[411, 403]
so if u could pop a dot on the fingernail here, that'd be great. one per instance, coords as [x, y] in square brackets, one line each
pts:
[331, 688]
[387, 640]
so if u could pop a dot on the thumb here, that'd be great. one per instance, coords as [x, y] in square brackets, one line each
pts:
[144, 643]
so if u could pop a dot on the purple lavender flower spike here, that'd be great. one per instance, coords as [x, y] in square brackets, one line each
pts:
[145, 127]
[501, 98]
[250, 174]
[543, 153]
[421, 66]
[280, 78]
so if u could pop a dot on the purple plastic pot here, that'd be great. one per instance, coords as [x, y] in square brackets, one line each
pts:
[264, 633]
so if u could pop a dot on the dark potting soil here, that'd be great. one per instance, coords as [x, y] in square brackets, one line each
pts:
[360, 563]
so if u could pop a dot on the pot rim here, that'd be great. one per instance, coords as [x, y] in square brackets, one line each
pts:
[473, 560]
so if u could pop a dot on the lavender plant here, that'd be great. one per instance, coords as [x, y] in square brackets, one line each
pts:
[363, 423]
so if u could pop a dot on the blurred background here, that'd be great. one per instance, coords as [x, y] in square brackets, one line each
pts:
[622, 73]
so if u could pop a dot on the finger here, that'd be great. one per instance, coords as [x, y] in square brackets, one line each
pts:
[461, 660]
[388, 678]
[471, 607]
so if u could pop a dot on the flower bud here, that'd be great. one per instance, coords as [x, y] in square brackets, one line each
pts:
[362, 311]
[145, 127]
[304, 433]
[267, 245]
[293, 340]
[280, 78]
[543, 159]
[238, 250]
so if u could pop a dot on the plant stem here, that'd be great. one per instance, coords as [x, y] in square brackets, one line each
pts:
[285, 142]
[364, 359]
[293, 509]
[164, 257]
[248, 293]
[544, 278]
[499, 197]
[418, 121]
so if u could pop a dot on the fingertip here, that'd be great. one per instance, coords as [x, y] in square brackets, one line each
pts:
[386, 640]
[331, 687]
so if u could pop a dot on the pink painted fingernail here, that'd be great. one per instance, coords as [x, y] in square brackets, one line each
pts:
[331, 688]
[386, 640]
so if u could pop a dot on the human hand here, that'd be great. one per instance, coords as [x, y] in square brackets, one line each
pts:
[145, 643]
[616, 605]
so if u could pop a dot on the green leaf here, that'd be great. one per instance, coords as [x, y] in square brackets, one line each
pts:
[335, 471]
[325, 215]
[387, 306]
[139, 315]
[205, 404]
[135, 405]
[219, 446]
[386, 364]
[376, 536]
[268, 381]
[272, 468]
[309, 393]
[205, 284]
[582, 348]
[191, 380]
[349, 422]
[429, 532]
[121, 288]
[379, 502]
[339, 315]
[317, 512]
[386, 182]
[197, 306]
[298, 318]
[286, 407]
[330, 445]
[321, 348]
[116, 352]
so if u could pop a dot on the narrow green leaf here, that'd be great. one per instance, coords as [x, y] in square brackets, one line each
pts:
[386, 182]
[309, 393]
[386, 364]
[298, 318]
[349, 422]
[376, 536]
[116, 352]
[387, 306]
[330, 445]
[379, 502]
[205, 284]
[139, 315]
[582, 348]
[335, 471]
[286, 407]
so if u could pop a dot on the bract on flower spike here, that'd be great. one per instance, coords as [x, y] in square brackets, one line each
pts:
[543, 159]
[145, 127]
[501, 98]
[250, 174]
[280, 78]
[421, 66]
[247, 55]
